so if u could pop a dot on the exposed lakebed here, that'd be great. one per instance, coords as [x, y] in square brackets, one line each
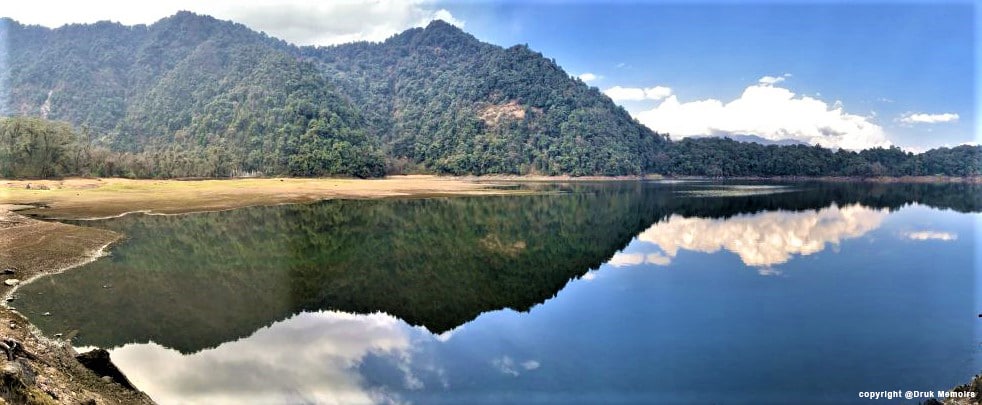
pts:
[607, 292]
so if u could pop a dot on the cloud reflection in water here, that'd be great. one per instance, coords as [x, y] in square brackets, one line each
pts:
[309, 358]
[760, 240]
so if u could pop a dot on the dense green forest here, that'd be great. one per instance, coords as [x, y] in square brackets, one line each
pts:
[192, 96]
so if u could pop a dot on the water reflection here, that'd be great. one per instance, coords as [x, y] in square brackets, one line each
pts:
[265, 368]
[289, 304]
[760, 240]
[930, 235]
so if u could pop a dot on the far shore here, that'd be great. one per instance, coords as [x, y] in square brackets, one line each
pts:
[844, 179]
[93, 198]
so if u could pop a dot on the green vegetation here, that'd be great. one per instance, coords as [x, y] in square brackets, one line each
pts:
[192, 96]
[189, 96]
[722, 157]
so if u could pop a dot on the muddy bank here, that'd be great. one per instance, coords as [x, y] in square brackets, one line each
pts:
[45, 370]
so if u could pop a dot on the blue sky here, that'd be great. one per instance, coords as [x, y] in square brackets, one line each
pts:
[847, 75]
[907, 68]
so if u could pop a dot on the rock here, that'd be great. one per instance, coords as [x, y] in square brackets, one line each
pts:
[11, 282]
[46, 314]
[98, 361]
[12, 369]
[58, 335]
[9, 270]
[107, 379]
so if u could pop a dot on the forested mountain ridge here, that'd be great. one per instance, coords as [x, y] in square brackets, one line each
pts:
[442, 98]
[197, 96]
[192, 95]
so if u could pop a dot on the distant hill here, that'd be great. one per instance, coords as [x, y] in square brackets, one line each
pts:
[191, 87]
[763, 141]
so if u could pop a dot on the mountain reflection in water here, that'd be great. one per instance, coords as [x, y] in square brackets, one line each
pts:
[438, 300]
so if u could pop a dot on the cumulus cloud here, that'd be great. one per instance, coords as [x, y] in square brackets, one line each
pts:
[760, 240]
[303, 22]
[921, 118]
[618, 93]
[768, 111]
[930, 235]
[589, 77]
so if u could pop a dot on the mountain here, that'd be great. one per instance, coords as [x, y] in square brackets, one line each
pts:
[203, 95]
[191, 88]
[441, 98]
[192, 96]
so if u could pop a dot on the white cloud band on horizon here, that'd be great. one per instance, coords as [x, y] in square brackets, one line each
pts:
[298, 21]
[771, 112]
[922, 118]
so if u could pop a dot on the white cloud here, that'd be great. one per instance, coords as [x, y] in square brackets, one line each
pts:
[589, 77]
[618, 93]
[304, 22]
[767, 111]
[770, 80]
[921, 118]
[930, 235]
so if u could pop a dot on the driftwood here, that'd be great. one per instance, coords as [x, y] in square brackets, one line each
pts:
[13, 349]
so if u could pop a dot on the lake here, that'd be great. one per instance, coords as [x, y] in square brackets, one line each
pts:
[632, 292]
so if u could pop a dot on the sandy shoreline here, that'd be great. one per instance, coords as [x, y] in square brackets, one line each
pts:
[78, 198]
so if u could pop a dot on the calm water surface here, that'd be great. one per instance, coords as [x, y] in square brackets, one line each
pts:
[614, 293]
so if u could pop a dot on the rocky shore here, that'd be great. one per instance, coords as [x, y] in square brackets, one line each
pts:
[35, 369]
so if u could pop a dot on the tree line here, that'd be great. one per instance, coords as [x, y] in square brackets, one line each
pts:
[33, 147]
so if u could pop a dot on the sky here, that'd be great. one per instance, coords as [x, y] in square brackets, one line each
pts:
[854, 75]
